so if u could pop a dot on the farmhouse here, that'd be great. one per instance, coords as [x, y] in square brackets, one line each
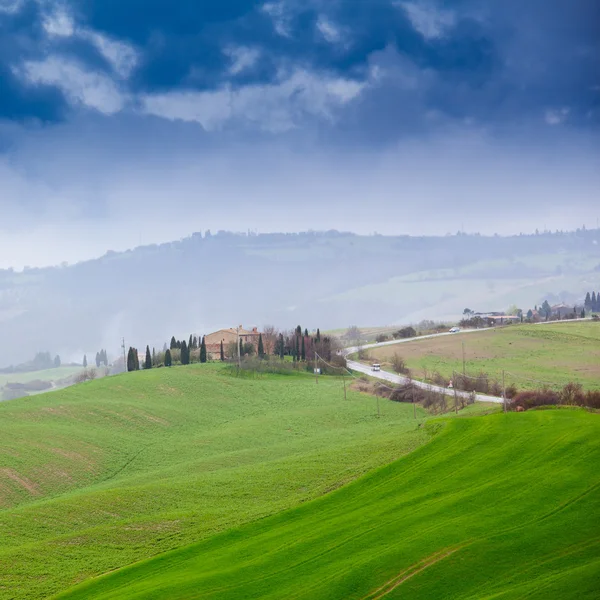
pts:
[213, 340]
[503, 318]
[560, 311]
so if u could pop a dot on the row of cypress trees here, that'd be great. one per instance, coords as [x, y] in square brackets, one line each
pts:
[298, 344]
[592, 301]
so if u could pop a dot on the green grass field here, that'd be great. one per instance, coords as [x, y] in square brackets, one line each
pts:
[45, 375]
[504, 506]
[106, 473]
[555, 353]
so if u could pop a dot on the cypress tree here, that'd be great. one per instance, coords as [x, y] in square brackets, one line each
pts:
[191, 342]
[318, 335]
[84, 361]
[241, 348]
[97, 359]
[57, 361]
[185, 357]
[179, 344]
[297, 349]
[222, 352]
[305, 332]
[281, 346]
[153, 357]
[582, 315]
[168, 359]
[148, 364]
[136, 358]
[261, 348]
[588, 301]
[130, 364]
[303, 352]
[173, 343]
[203, 350]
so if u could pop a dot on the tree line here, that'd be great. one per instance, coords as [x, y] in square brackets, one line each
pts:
[297, 345]
[592, 302]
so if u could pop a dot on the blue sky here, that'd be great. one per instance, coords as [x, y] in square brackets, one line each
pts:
[143, 120]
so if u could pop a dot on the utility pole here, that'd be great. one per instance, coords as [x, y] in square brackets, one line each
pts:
[455, 400]
[503, 392]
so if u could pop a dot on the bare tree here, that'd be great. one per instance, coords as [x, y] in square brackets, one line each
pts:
[354, 335]
[269, 336]
[399, 365]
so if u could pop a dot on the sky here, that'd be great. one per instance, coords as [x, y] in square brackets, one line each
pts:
[128, 122]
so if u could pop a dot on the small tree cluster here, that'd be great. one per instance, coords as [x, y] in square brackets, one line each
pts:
[101, 359]
[133, 362]
[405, 332]
[592, 302]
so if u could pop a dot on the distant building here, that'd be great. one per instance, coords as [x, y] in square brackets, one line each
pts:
[213, 340]
[503, 318]
[560, 311]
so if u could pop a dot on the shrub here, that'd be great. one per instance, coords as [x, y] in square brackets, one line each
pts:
[592, 399]
[405, 332]
[439, 379]
[363, 354]
[399, 365]
[382, 338]
[511, 390]
[533, 398]
[572, 394]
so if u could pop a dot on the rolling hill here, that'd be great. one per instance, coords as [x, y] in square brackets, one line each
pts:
[107, 473]
[191, 482]
[499, 507]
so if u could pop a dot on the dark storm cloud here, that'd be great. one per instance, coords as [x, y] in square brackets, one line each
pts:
[21, 37]
[494, 64]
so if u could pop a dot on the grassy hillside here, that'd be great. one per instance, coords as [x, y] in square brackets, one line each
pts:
[504, 506]
[106, 473]
[555, 353]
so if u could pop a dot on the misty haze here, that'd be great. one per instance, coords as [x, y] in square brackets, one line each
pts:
[299, 299]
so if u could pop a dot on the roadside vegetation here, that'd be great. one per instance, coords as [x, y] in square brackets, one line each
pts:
[532, 356]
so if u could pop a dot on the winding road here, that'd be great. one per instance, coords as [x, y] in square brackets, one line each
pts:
[400, 379]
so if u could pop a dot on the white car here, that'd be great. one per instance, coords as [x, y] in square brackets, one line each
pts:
[454, 330]
[376, 367]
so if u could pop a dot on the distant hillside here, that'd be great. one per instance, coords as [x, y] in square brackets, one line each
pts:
[318, 279]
